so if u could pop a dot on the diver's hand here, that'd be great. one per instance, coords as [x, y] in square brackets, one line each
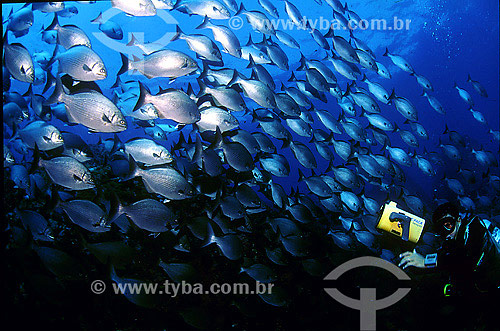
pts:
[411, 259]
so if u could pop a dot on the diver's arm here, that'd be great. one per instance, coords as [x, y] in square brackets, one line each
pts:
[418, 260]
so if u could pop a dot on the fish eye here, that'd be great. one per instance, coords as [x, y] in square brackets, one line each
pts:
[122, 122]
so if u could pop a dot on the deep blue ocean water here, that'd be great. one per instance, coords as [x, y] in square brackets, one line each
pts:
[445, 42]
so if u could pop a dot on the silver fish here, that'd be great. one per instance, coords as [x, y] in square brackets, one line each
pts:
[147, 214]
[135, 7]
[166, 181]
[213, 117]
[201, 45]
[224, 35]
[171, 104]
[49, 7]
[259, 21]
[287, 40]
[91, 109]
[21, 20]
[255, 90]
[399, 61]
[69, 35]
[147, 151]
[404, 106]
[163, 63]
[41, 134]
[86, 214]
[224, 97]
[210, 8]
[68, 172]
[109, 28]
[18, 62]
[81, 63]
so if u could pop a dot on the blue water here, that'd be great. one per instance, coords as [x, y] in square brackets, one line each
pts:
[446, 41]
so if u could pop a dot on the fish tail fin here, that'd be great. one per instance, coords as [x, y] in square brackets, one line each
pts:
[189, 90]
[98, 19]
[446, 130]
[468, 78]
[202, 85]
[133, 40]
[286, 143]
[54, 24]
[36, 160]
[115, 209]
[302, 62]
[117, 83]
[205, 69]
[252, 62]
[330, 167]
[250, 41]
[330, 33]
[301, 175]
[210, 234]
[234, 79]
[386, 52]
[178, 33]
[125, 64]
[58, 93]
[53, 58]
[218, 138]
[240, 10]
[393, 94]
[53, 201]
[197, 152]
[143, 94]
[133, 170]
[117, 144]
[206, 22]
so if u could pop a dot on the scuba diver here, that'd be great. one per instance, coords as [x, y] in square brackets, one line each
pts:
[470, 253]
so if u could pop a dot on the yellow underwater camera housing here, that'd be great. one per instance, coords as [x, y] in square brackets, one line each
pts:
[400, 223]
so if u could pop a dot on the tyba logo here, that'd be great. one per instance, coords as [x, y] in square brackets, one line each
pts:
[367, 303]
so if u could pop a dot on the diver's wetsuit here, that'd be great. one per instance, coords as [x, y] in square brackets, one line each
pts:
[473, 263]
[468, 258]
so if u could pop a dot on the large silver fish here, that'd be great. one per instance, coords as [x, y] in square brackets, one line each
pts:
[67, 172]
[69, 35]
[171, 104]
[41, 134]
[211, 8]
[18, 61]
[147, 151]
[81, 63]
[259, 21]
[166, 181]
[163, 63]
[135, 7]
[255, 90]
[213, 117]
[201, 45]
[91, 109]
[224, 35]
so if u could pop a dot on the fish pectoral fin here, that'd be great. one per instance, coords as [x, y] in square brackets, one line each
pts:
[106, 118]
[76, 178]
[47, 139]
[86, 68]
